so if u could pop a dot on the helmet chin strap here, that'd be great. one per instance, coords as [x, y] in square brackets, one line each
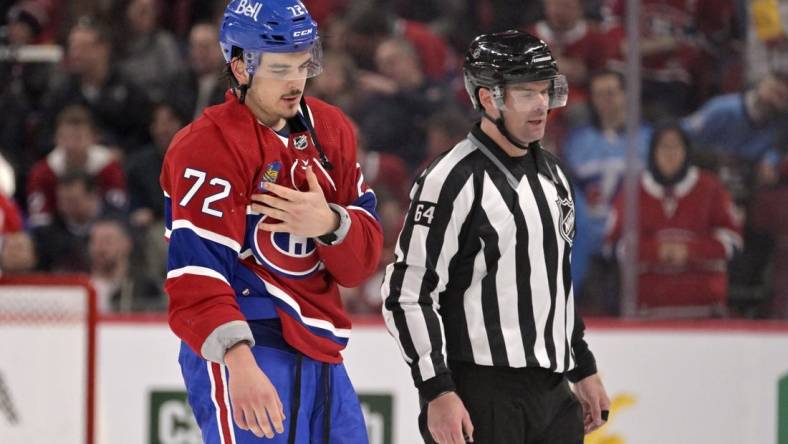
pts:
[500, 123]
[242, 89]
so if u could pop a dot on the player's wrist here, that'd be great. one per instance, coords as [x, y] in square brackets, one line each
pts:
[337, 235]
[239, 355]
[333, 222]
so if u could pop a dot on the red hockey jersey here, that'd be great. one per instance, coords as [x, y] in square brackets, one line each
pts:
[694, 24]
[699, 213]
[42, 182]
[10, 217]
[223, 268]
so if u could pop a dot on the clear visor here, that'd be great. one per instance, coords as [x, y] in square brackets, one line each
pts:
[286, 65]
[532, 96]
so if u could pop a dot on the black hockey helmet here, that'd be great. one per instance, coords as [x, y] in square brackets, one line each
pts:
[495, 60]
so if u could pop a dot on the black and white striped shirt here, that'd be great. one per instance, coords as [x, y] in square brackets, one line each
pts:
[482, 267]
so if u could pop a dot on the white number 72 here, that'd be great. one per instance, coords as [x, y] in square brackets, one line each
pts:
[206, 205]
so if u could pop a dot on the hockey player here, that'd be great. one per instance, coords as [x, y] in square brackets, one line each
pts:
[267, 211]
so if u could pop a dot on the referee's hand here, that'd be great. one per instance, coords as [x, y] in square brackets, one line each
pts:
[594, 400]
[448, 420]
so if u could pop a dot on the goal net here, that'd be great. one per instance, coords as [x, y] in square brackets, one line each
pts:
[47, 356]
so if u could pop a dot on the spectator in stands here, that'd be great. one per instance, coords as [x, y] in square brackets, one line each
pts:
[595, 155]
[401, 99]
[119, 108]
[445, 128]
[23, 82]
[767, 39]
[119, 287]
[768, 215]
[146, 201]
[75, 150]
[201, 85]
[146, 204]
[371, 23]
[742, 134]
[322, 10]
[62, 245]
[25, 22]
[688, 230]
[744, 125]
[337, 84]
[16, 248]
[383, 172]
[579, 47]
[681, 43]
[148, 55]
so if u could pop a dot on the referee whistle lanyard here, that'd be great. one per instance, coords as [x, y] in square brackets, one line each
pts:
[513, 182]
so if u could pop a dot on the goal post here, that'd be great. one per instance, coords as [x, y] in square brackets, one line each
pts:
[47, 359]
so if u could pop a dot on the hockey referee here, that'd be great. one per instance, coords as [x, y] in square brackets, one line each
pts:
[479, 297]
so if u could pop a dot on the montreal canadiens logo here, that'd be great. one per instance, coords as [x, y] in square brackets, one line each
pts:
[286, 254]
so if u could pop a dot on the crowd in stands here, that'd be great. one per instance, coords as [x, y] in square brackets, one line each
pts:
[84, 131]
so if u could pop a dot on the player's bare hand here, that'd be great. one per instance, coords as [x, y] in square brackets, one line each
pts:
[302, 213]
[448, 421]
[255, 402]
[592, 396]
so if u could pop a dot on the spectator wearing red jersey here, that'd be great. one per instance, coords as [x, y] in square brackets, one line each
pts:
[580, 48]
[681, 40]
[75, 150]
[688, 230]
[369, 25]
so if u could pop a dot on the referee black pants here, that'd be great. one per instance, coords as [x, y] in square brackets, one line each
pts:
[515, 405]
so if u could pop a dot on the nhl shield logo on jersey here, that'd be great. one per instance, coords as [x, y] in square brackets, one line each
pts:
[300, 142]
[566, 222]
[286, 254]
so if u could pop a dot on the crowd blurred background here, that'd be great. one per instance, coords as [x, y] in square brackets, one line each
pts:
[92, 92]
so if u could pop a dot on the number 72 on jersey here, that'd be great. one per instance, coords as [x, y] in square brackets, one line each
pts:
[215, 182]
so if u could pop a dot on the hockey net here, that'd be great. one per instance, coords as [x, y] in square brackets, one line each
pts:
[47, 360]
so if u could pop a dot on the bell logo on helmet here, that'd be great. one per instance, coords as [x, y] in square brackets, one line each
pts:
[249, 9]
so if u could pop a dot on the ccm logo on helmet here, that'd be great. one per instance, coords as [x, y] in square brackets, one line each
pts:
[302, 33]
[249, 9]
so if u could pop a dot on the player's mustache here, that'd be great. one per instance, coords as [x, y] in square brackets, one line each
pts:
[293, 93]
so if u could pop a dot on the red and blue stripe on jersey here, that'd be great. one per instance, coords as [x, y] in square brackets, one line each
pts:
[222, 268]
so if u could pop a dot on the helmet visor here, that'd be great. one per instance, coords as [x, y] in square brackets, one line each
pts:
[286, 65]
[527, 96]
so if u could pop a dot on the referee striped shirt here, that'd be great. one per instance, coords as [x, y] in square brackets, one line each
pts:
[482, 267]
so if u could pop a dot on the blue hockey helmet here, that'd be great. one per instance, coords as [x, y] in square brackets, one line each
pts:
[271, 26]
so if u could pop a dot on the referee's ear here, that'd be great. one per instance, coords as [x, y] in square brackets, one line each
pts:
[488, 103]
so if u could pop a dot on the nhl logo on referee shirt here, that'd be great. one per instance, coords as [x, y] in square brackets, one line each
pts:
[300, 143]
[566, 222]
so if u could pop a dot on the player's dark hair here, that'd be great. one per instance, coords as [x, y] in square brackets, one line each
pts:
[227, 74]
